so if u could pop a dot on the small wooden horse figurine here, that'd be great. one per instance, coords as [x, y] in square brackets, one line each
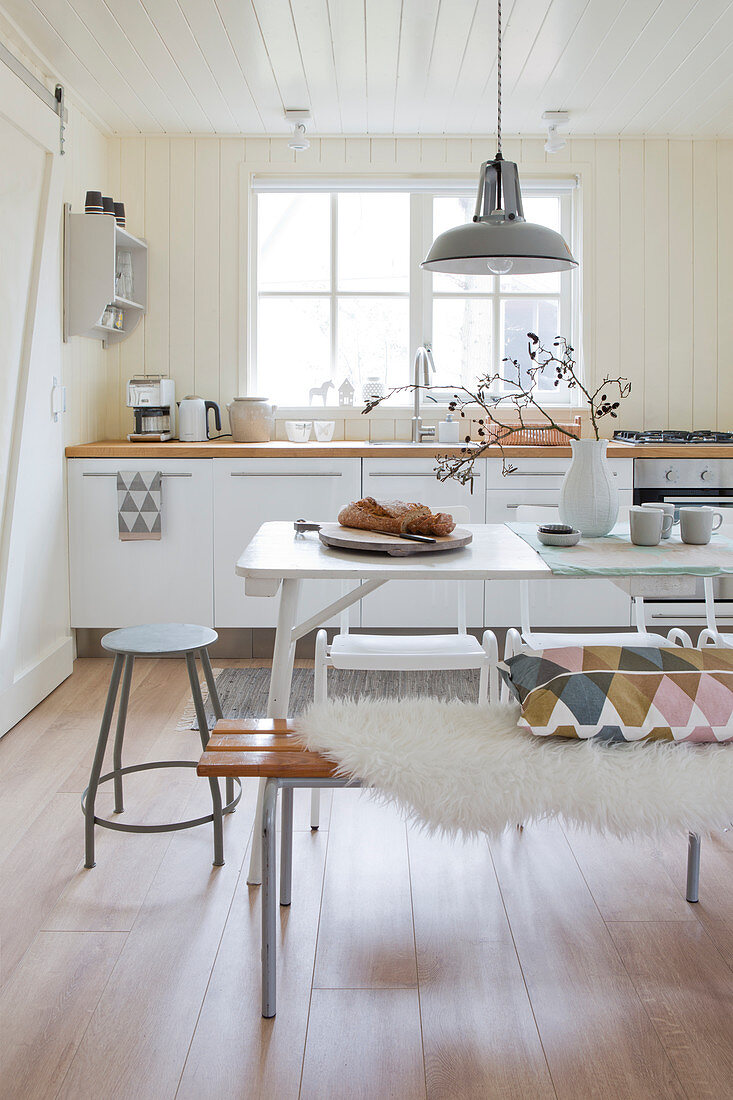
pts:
[320, 391]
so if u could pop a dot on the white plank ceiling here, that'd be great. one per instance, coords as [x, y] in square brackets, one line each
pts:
[629, 67]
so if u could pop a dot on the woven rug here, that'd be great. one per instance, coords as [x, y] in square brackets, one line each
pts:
[243, 691]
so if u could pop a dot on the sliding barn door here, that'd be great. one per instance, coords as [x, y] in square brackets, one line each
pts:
[35, 645]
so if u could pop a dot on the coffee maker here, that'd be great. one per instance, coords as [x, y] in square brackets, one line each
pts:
[153, 399]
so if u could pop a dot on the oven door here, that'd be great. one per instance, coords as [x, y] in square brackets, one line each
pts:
[691, 612]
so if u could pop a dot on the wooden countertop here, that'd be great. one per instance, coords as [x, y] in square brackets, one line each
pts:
[121, 448]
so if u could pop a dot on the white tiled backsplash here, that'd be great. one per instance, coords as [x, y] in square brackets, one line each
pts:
[400, 429]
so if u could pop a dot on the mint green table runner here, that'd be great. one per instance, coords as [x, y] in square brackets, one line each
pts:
[616, 556]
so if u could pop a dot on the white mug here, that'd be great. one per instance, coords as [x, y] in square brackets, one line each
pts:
[647, 525]
[696, 524]
[668, 510]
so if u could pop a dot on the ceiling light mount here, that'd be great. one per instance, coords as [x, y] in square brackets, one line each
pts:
[553, 120]
[297, 119]
[499, 240]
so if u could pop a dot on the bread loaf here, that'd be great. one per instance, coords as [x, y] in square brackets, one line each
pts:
[395, 517]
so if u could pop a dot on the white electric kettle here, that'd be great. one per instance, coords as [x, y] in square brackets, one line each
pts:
[193, 419]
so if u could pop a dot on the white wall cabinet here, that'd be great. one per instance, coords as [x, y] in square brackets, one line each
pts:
[553, 603]
[249, 492]
[427, 603]
[115, 583]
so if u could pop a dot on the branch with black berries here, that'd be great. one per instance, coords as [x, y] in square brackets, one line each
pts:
[507, 390]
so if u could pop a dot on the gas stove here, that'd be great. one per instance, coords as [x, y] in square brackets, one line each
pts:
[670, 437]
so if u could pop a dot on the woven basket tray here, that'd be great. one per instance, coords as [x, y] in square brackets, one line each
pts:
[538, 436]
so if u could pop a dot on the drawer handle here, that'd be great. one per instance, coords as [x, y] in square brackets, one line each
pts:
[295, 473]
[114, 474]
[395, 473]
[543, 473]
[513, 507]
[699, 615]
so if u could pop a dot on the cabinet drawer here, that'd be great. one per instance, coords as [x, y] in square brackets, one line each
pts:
[554, 603]
[548, 473]
[247, 493]
[406, 604]
[115, 583]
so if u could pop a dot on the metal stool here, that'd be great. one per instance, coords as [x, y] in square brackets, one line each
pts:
[155, 640]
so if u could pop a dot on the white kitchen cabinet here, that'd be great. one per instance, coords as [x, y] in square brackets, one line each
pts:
[554, 603]
[115, 583]
[249, 492]
[427, 603]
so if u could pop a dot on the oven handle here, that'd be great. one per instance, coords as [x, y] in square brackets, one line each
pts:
[726, 501]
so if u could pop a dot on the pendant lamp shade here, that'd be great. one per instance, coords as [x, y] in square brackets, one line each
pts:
[499, 240]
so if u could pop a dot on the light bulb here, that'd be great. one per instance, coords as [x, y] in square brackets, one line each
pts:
[500, 265]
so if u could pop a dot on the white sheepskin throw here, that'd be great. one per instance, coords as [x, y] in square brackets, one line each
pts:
[459, 767]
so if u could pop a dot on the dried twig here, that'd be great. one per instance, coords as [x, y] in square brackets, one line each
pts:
[521, 398]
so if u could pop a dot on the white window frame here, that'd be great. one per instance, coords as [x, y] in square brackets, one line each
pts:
[421, 293]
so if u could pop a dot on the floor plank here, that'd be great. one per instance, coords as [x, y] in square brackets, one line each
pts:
[628, 878]
[46, 1006]
[688, 995]
[479, 1034]
[366, 937]
[233, 1044]
[363, 1044]
[598, 1040]
[35, 874]
[138, 1037]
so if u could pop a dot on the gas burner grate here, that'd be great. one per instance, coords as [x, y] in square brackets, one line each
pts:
[672, 437]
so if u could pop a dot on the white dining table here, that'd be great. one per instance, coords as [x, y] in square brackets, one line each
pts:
[278, 561]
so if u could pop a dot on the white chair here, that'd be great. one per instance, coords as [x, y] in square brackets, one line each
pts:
[401, 652]
[526, 636]
[712, 635]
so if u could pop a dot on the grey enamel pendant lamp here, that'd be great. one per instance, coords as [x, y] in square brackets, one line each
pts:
[499, 241]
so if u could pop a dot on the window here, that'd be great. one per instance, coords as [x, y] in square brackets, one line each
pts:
[338, 292]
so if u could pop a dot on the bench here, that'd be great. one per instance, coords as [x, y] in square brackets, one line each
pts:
[269, 749]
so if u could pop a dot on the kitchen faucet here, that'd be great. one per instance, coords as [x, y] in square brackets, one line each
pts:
[421, 369]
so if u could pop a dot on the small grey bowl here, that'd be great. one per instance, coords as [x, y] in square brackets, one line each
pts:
[558, 534]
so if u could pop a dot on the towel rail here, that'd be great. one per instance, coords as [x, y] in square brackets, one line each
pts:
[114, 473]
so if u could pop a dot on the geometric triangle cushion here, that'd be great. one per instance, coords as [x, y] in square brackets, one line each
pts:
[624, 693]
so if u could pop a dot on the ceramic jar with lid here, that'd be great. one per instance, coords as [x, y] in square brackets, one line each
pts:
[252, 419]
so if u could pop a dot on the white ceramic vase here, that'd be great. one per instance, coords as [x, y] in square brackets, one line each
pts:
[588, 497]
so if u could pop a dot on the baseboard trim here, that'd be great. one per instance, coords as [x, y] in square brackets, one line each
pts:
[34, 684]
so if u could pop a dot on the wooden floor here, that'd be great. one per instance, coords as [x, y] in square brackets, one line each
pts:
[545, 965]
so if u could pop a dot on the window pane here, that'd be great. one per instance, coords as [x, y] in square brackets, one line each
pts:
[374, 242]
[520, 316]
[448, 212]
[373, 336]
[293, 348]
[293, 235]
[461, 340]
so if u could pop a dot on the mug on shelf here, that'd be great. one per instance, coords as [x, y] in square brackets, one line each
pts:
[647, 525]
[696, 524]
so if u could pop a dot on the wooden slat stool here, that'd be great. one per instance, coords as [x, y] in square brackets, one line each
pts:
[268, 749]
[156, 640]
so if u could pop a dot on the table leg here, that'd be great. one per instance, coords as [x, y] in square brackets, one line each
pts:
[693, 868]
[268, 901]
[286, 846]
[279, 699]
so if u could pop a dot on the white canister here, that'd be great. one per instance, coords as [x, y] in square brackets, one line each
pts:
[252, 419]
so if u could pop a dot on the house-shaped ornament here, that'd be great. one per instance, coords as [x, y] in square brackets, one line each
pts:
[346, 393]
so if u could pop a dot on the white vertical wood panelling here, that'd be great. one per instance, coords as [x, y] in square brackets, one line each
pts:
[132, 192]
[679, 388]
[705, 289]
[631, 293]
[157, 234]
[206, 270]
[656, 283]
[725, 285]
[182, 259]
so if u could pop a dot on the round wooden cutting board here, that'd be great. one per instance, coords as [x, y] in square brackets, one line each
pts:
[349, 538]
